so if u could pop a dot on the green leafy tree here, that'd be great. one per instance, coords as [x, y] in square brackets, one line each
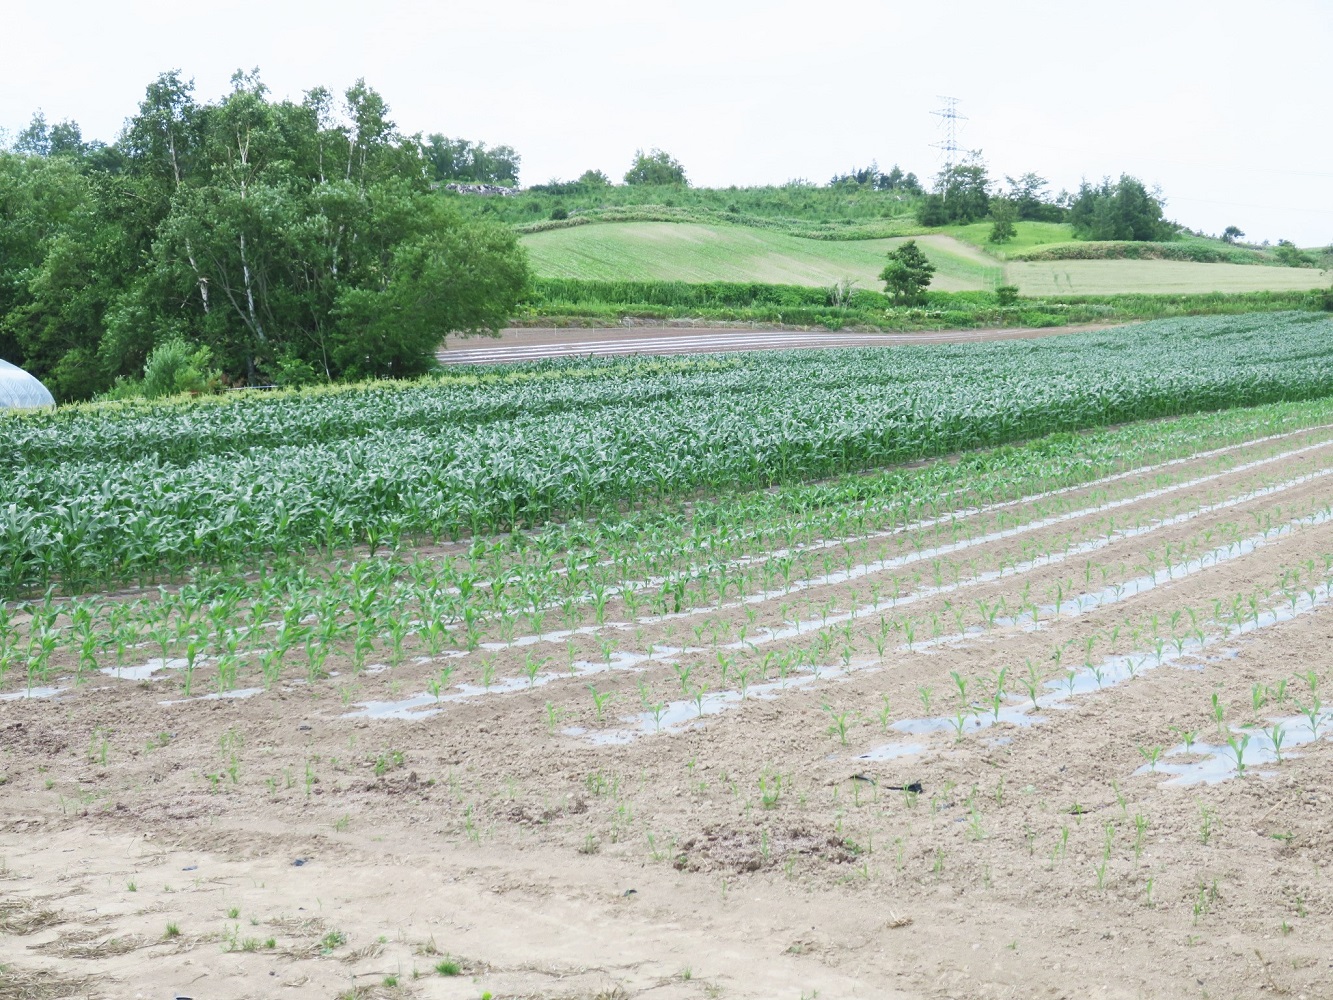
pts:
[1124, 210]
[961, 195]
[1232, 233]
[594, 178]
[433, 287]
[655, 167]
[471, 162]
[1003, 212]
[1032, 200]
[907, 274]
[285, 238]
[931, 211]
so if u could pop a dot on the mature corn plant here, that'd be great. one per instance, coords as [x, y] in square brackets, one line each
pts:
[147, 492]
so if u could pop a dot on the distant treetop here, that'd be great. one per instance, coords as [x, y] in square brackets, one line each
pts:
[655, 167]
[873, 177]
[461, 160]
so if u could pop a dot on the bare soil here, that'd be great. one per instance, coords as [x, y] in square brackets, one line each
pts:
[702, 337]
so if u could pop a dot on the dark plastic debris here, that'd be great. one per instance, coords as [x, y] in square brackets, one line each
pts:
[914, 786]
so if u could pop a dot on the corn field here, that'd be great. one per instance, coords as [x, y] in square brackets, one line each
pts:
[94, 496]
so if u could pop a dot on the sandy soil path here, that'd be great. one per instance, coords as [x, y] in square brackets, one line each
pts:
[531, 344]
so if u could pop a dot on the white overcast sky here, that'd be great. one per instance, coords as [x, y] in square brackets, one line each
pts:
[1226, 104]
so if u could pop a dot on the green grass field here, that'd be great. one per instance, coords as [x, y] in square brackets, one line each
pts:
[1030, 236]
[670, 251]
[1155, 277]
[666, 251]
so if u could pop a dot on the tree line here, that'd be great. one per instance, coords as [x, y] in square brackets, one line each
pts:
[963, 193]
[1123, 209]
[252, 240]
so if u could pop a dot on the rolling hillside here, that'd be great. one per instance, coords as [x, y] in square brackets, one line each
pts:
[693, 252]
[668, 251]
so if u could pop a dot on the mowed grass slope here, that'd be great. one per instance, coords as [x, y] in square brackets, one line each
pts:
[1155, 277]
[691, 252]
[668, 251]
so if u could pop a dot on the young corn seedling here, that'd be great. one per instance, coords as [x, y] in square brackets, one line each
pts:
[698, 698]
[839, 723]
[532, 666]
[1187, 737]
[683, 675]
[885, 713]
[1314, 713]
[1151, 755]
[1277, 736]
[1032, 682]
[1120, 799]
[924, 694]
[770, 790]
[1278, 694]
[554, 716]
[1238, 742]
[1207, 823]
[959, 722]
[600, 699]
[974, 827]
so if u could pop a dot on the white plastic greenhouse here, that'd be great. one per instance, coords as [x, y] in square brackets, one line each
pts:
[20, 391]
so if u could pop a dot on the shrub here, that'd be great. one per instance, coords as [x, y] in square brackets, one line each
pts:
[1007, 294]
[291, 370]
[1290, 255]
[175, 366]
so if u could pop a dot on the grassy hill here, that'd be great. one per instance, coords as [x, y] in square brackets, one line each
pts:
[965, 261]
[666, 251]
[801, 205]
[1155, 277]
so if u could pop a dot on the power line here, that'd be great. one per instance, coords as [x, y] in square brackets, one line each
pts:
[1209, 165]
[1241, 204]
[949, 119]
